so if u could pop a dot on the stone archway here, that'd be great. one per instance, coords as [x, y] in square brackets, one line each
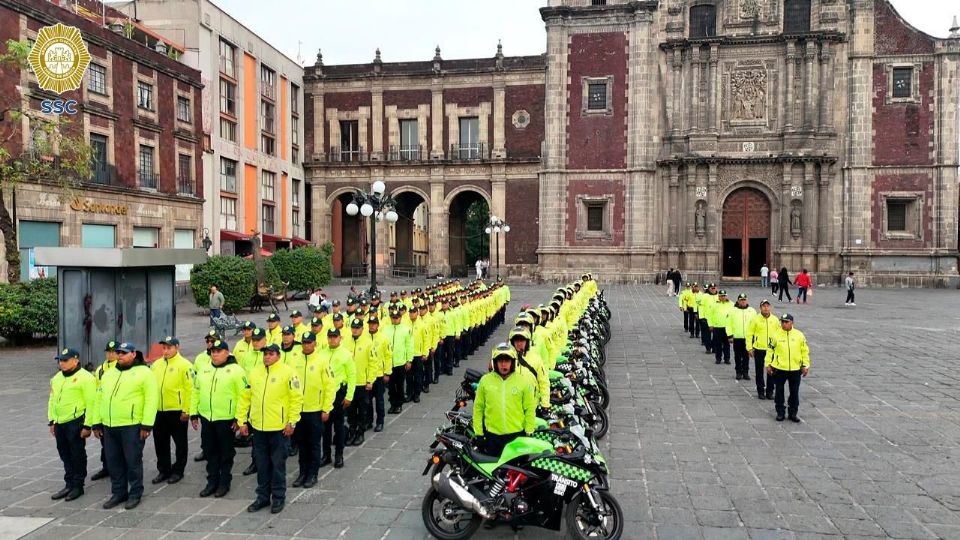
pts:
[409, 238]
[746, 233]
[461, 231]
[349, 237]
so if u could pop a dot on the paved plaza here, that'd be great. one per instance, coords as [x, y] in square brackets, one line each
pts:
[693, 453]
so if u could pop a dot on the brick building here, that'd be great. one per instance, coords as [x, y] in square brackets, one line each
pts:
[139, 109]
[709, 135]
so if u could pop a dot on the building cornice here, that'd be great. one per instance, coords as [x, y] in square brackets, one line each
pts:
[685, 43]
[628, 8]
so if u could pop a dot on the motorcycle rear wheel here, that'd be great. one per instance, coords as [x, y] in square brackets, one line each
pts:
[579, 512]
[601, 424]
[431, 510]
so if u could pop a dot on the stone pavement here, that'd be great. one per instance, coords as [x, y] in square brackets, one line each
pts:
[694, 454]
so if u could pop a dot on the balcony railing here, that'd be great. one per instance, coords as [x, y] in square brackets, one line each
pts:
[148, 179]
[405, 153]
[347, 154]
[185, 186]
[468, 151]
[103, 174]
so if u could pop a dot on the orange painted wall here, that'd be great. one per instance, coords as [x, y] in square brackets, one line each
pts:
[250, 198]
[284, 113]
[250, 102]
[284, 205]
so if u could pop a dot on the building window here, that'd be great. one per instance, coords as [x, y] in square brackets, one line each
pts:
[97, 81]
[796, 16]
[295, 130]
[409, 140]
[185, 174]
[268, 145]
[228, 97]
[295, 156]
[228, 130]
[98, 236]
[183, 109]
[598, 2]
[228, 213]
[268, 82]
[703, 21]
[100, 160]
[349, 140]
[228, 175]
[146, 237]
[903, 82]
[268, 221]
[296, 192]
[147, 177]
[597, 96]
[267, 111]
[34, 234]
[184, 239]
[903, 216]
[294, 99]
[595, 217]
[296, 223]
[145, 95]
[228, 55]
[268, 185]
[469, 138]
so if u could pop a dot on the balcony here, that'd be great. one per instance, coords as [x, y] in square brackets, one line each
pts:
[103, 174]
[468, 152]
[148, 179]
[185, 186]
[405, 153]
[348, 154]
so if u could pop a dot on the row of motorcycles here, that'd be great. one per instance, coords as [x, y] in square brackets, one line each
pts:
[558, 474]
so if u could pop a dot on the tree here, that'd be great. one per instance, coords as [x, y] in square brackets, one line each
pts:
[478, 216]
[52, 156]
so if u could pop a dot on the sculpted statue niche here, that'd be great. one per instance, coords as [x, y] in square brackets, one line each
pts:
[748, 94]
[700, 219]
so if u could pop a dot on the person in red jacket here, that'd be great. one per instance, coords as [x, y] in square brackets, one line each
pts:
[802, 281]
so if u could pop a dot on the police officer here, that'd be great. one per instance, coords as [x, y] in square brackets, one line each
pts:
[789, 360]
[415, 373]
[108, 363]
[124, 416]
[319, 390]
[717, 318]
[759, 332]
[72, 394]
[297, 322]
[345, 375]
[259, 340]
[381, 357]
[401, 348]
[530, 361]
[218, 388]
[693, 325]
[738, 319]
[707, 301]
[174, 375]
[274, 330]
[505, 406]
[365, 374]
[275, 389]
[243, 351]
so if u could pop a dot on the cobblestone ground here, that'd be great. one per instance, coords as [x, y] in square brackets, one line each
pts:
[694, 454]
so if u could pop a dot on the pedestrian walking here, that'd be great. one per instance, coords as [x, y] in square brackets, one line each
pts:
[718, 326]
[479, 265]
[216, 304]
[789, 360]
[72, 399]
[783, 278]
[803, 284]
[764, 276]
[850, 284]
[738, 319]
[774, 281]
[174, 375]
[677, 281]
[669, 278]
[759, 331]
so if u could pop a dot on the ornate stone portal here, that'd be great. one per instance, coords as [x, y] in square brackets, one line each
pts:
[748, 94]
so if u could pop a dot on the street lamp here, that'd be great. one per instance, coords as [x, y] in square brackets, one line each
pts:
[377, 206]
[497, 226]
[206, 242]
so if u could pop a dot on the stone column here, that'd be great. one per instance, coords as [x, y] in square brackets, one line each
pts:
[673, 208]
[713, 82]
[786, 238]
[320, 225]
[811, 206]
[714, 232]
[376, 113]
[499, 111]
[498, 207]
[676, 89]
[319, 149]
[439, 223]
[695, 107]
[788, 102]
[809, 104]
[436, 114]
[333, 128]
[825, 108]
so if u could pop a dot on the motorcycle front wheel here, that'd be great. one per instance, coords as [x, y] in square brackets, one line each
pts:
[585, 523]
[445, 519]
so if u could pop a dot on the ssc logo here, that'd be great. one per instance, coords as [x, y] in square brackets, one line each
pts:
[59, 58]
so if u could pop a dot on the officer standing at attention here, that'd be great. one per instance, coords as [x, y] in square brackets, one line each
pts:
[274, 330]
[707, 301]
[365, 374]
[218, 388]
[259, 339]
[174, 375]
[759, 332]
[738, 319]
[126, 410]
[381, 358]
[345, 376]
[401, 346]
[719, 312]
[415, 373]
[108, 363]
[203, 359]
[73, 392]
[686, 303]
[243, 350]
[297, 322]
[789, 360]
[505, 406]
[319, 391]
[275, 390]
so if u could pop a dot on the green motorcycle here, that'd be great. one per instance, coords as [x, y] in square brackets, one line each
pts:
[533, 482]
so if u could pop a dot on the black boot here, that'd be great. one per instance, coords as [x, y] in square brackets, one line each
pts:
[299, 481]
[60, 494]
[251, 469]
[378, 428]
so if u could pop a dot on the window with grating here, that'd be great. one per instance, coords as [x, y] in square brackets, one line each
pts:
[703, 21]
[796, 16]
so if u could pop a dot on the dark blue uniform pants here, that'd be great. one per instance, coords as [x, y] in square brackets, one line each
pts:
[124, 460]
[378, 395]
[310, 442]
[334, 431]
[792, 378]
[270, 450]
[216, 440]
[73, 452]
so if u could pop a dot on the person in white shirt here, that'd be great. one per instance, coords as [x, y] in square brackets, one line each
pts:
[316, 297]
[764, 276]
[479, 266]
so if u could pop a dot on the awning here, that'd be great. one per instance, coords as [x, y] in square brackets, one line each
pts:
[273, 238]
[263, 253]
[233, 235]
[300, 242]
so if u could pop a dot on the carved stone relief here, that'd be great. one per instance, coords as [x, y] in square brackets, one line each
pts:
[748, 94]
[767, 175]
[750, 9]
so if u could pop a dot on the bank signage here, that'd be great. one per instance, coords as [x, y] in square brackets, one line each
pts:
[89, 205]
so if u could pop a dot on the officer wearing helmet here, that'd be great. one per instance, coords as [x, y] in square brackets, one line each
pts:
[505, 406]
[530, 361]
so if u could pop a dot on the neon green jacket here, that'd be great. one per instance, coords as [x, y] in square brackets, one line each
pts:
[686, 299]
[217, 391]
[273, 399]
[319, 384]
[127, 397]
[344, 370]
[175, 380]
[401, 343]
[707, 301]
[71, 395]
[738, 320]
[790, 351]
[543, 380]
[381, 356]
[760, 330]
[504, 406]
[717, 317]
[364, 361]
[245, 354]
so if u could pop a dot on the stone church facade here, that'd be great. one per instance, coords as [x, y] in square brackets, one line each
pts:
[711, 136]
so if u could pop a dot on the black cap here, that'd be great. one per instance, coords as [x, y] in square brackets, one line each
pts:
[764, 301]
[336, 302]
[350, 302]
[295, 313]
[373, 320]
[259, 333]
[394, 314]
[273, 347]
[338, 316]
[68, 353]
[316, 321]
[111, 346]
[126, 347]
[721, 292]
[402, 307]
[308, 337]
[356, 323]
[289, 330]
[170, 340]
[742, 296]
[220, 345]
[212, 335]
[249, 325]
[786, 317]
[333, 332]
[273, 317]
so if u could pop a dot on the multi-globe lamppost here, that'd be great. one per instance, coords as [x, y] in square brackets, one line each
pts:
[497, 226]
[376, 206]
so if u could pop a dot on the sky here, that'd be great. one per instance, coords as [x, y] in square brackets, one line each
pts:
[349, 32]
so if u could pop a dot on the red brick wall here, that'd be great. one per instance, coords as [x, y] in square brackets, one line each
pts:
[524, 142]
[893, 35]
[308, 128]
[905, 182]
[166, 113]
[746, 205]
[467, 97]
[597, 141]
[903, 132]
[9, 78]
[348, 101]
[407, 99]
[450, 185]
[523, 197]
[124, 143]
[595, 188]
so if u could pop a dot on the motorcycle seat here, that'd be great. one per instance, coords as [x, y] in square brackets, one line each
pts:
[481, 458]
